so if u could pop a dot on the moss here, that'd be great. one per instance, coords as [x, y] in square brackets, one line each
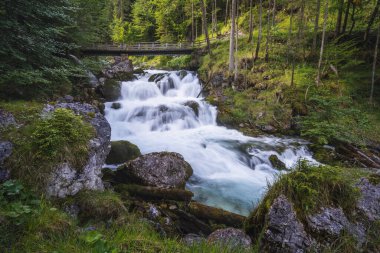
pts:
[122, 151]
[154, 193]
[98, 205]
[277, 163]
[374, 179]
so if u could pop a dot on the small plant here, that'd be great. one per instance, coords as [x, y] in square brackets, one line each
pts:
[98, 244]
[61, 130]
[16, 203]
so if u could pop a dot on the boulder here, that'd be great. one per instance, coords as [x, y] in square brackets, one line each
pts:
[277, 163]
[6, 119]
[162, 169]
[65, 179]
[284, 233]
[5, 151]
[111, 90]
[192, 239]
[268, 129]
[116, 106]
[194, 106]
[329, 222]
[231, 237]
[369, 202]
[121, 152]
[122, 70]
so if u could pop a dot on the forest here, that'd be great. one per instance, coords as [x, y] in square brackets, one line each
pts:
[190, 126]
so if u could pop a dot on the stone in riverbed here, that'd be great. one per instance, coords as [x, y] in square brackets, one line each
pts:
[116, 106]
[121, 152]
[163, 169]
[277, 163]
[194, 106]
[230, 237]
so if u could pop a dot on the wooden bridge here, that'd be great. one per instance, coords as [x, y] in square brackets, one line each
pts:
[143, 48]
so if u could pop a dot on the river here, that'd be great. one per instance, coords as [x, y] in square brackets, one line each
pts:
[231, 170]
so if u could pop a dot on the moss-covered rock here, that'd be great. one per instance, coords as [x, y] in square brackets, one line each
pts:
[121, 152]
[277, 163]
[160, 169]
[116, 106]
[111, 90]
[154, 193]
[194, 106]
[97, 205]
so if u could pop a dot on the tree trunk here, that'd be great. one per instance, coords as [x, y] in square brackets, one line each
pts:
[192, 21]
[274, 14]
[268, 35]
[346, 16]
[226, 17]
[339, 19]
[371, 20]
[374, 66]
[300, 35]
[250, 22]
[260, 30]
[316, 27]
[290, 30]
[323, 42]
[353, 17]
[216, 18]
[231, 65]
[204, 19]
[236, 43]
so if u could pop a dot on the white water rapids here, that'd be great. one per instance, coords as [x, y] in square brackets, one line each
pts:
[231, 170]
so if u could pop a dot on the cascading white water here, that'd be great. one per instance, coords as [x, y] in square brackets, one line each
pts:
[231, 171]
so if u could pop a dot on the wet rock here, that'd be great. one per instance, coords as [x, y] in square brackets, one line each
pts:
[277, 163]
[162, 169]
[369, 202]
[154, 193]
[157, 77]
[231, 237]
[194, 106]
[6, 119]
[182, 74]
[139, 71]
[215, 215]
[116, 106]
[153, 212]
[67, 180]
[121, 152]
[192, 239]
[111, 90]
[284, 233]
[268, 129]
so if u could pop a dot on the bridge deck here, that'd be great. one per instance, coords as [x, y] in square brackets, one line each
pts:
[146, 48]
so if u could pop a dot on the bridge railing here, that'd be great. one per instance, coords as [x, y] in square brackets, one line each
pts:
[149, 46]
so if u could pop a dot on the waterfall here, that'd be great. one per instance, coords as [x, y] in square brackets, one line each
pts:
[160, 111]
